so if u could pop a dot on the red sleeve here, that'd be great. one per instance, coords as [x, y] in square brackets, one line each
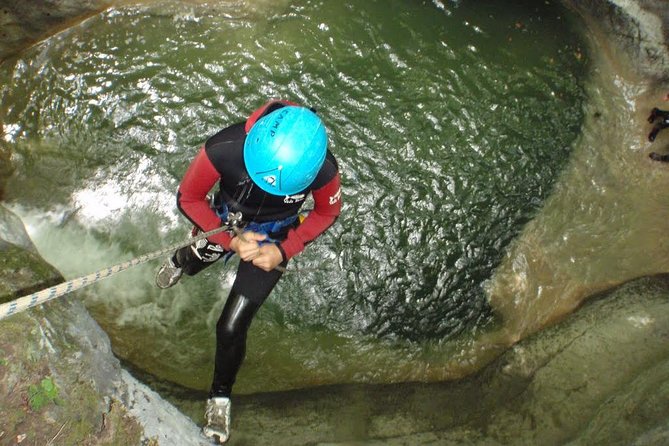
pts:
[199, 179]
[327, 206]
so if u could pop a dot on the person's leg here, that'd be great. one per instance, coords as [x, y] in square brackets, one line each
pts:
[250, 289]
[657, 157]
[231, 332]
[659, 126]
[189, 260]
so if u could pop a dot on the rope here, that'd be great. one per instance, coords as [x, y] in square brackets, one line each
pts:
[31, 300]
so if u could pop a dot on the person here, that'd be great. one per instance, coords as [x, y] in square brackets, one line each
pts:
[662, 116]
[265, 168]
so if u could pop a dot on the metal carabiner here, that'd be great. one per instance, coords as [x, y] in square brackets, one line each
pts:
[235, 220]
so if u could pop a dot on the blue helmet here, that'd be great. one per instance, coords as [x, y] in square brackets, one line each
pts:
[285, 149]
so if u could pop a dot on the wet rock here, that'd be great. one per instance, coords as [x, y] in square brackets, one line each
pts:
[22, 270]
[22, 25]
[599, 377]
[639, 28]
[13, 232]
[58, 375]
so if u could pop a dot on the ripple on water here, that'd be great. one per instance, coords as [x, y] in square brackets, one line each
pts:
[450, 123]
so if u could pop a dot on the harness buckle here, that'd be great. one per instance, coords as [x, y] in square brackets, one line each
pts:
[235, 219]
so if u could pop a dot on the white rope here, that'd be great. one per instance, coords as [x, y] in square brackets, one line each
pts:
[31, 300]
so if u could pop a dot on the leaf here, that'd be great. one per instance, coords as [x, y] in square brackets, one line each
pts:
[37, 402]
[50, 388]
[40, 396]
[47, 385]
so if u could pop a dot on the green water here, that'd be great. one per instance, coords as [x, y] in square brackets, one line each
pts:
[451, 122]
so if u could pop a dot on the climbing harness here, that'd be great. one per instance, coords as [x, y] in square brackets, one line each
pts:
[239, 227]
[265, 228]
[31, 300]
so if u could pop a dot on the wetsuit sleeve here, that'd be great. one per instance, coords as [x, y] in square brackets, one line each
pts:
[327, 206]
[199, 179]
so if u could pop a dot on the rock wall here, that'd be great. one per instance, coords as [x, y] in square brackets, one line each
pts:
[59, 379]
[640, 28]
[23, 24]
[555, 388]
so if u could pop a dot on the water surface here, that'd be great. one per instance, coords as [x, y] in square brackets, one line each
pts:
[451, 121]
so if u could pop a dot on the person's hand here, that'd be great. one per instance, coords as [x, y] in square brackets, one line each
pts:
[655, 156]
[269, 258]
[247, 246]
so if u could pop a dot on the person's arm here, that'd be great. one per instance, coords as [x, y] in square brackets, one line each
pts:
[657, 157]
[199, 179]
[327, 207]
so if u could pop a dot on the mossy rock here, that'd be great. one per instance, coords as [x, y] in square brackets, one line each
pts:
[49, 344]
[6, 169]
[23, 272]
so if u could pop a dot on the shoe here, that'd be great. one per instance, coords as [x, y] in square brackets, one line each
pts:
[217, 415]
[168, 274]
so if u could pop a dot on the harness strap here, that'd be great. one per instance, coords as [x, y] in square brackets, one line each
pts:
[270, 227]
[265, 227]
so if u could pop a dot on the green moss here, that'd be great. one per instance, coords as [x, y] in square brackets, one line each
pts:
[42, 394]
[6, 168]
[23, 272]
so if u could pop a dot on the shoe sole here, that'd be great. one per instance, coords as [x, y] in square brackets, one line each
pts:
[166, 286]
